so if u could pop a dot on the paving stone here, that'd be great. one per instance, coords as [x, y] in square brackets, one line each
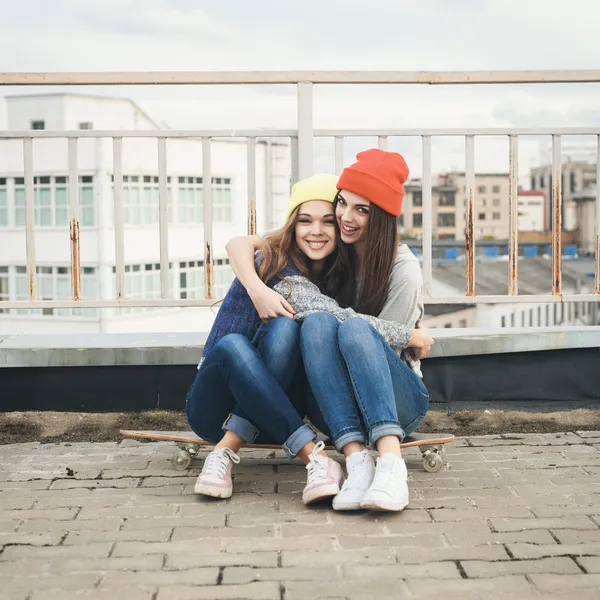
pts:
[136, 593]
[50, 552]
[137, 535]
[570, 536]
[480, 568]
[525, 551]
[223, 559]
[238, 575]
[196, 576]
[261, 590]
[556, 583]
[576, 522]
[199, 533]
[370, 556]
[466, 588]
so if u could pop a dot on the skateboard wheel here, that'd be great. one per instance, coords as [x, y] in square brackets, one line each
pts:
[181, 461]
[432, 463]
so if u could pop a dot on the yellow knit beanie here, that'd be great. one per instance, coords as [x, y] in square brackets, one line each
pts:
[322, 186]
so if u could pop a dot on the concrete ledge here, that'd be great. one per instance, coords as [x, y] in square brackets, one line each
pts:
[116, 349]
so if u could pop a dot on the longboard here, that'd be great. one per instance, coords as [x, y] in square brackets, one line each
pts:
[430, 444]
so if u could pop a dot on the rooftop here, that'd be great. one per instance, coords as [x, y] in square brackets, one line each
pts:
[512, 514]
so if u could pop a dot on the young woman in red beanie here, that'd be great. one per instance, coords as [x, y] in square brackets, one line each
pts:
[367, 387]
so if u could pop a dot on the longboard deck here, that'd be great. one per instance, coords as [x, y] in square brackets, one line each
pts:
[189, 437]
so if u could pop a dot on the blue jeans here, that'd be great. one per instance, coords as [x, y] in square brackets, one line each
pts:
[363, 389]
[240, 388]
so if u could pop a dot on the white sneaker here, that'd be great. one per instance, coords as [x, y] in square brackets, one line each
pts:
[361, 470]
[389, 490]
[324, 477]
[215, 478]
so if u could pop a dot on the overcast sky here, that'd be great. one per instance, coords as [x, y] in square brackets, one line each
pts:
[150, 35]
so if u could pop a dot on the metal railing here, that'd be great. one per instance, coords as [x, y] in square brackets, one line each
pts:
[302, 140]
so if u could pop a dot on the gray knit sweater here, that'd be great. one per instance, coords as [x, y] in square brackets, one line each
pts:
[401, 312]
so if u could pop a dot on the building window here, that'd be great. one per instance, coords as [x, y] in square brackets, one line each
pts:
[512, 319]
[496, 189]
[542, 186]
[570, 312]
[481, 216]
[401, 221]
[531, 317]
[572, 183]
[484, 202]
[539, 316]
[418, 220]
[51, 201]
[523, 318]
[191, 279]
[481, 189]
[533, 183]
[503, 322]
[448, 326]
[583, 308]
[496, 201]
[86, 125]
[446, 220]
[3, 203]
[38, 125]
[222, 199]
[417, 198]
[496, 216]
[54, 283]
[547, 315]
[189, 194]
[462, 323]
[447, 199]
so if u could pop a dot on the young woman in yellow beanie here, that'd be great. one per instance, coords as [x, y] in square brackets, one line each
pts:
[247, 366]
[366, 385]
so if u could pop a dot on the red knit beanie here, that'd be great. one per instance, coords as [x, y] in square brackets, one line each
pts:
[377, 176]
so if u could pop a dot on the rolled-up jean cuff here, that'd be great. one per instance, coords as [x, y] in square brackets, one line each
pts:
[378, 431]
[302, 436]
[240, 426]
[347, 437]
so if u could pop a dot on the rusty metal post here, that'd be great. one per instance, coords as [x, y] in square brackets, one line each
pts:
[163, 218]
[119, 217]
[470, 220]
[556, 216]
[427, 217]
[207, 199]
[513, 203]
[29, 216]
[75, 219]
[597, 290]
[252, 185]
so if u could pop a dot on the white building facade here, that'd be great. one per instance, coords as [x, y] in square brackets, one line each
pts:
[140, 199]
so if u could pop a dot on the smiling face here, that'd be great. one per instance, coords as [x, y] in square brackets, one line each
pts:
[315, 229]
[352, 214]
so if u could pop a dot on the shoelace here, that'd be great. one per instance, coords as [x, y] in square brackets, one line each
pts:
[383, 477]
[317, 466]
[218, 460]
[357, 476]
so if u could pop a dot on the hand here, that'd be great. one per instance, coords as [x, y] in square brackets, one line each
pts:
[420, 342]
[269, 304]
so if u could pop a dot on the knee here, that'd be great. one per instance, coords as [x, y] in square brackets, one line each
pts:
[232, 346]
[284, 330]
[319, 322]
[353, 331]
[318, 328]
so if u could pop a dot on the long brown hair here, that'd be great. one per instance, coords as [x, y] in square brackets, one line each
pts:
[381, 245]
[280, 247]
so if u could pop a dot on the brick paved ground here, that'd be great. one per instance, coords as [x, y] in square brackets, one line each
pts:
[512, 517]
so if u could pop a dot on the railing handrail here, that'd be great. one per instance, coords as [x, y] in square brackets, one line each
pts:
[293, 77]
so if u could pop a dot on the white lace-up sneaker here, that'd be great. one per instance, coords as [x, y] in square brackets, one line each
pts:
[215, 478]
[361, 470]
[389, 490]
[324, 477]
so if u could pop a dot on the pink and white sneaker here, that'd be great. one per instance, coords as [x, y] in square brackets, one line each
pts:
[325, 476]
[215, 478]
